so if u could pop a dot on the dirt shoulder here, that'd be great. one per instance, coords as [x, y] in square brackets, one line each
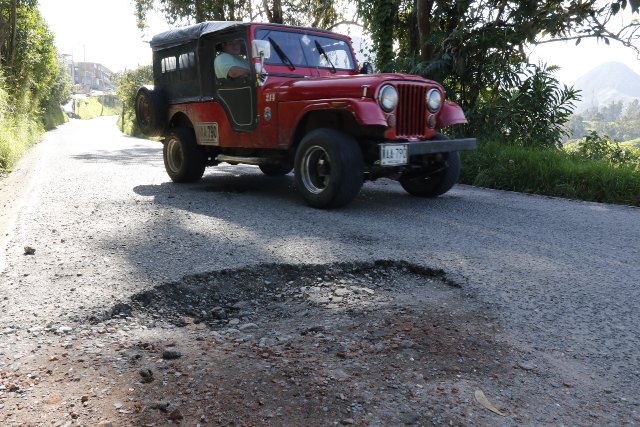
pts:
[14, 191]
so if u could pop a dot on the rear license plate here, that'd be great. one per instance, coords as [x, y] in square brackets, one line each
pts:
[394, 154]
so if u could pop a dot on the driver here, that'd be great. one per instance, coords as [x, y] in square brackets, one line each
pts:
[229, 63]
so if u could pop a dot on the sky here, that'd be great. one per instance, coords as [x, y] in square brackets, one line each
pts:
[100, 31]
[106, 32]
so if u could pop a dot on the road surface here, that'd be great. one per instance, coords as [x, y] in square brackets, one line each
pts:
[556, 280]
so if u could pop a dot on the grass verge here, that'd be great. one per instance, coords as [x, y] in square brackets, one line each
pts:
[16, 136]
[92, 107]
[551, 173]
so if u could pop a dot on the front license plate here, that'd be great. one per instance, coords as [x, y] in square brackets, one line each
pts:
[394, 154]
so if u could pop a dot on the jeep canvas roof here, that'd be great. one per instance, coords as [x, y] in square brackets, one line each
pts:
[178, 36]
[182, 35]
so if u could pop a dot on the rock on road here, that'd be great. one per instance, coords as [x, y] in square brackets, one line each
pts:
[560, 277]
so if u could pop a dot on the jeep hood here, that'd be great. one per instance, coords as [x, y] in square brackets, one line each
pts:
[339, 86]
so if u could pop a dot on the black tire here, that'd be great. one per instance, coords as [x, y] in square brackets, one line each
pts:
[329, 168]
[437, 183]
[151, 111]
[184, 161]
[275, 170]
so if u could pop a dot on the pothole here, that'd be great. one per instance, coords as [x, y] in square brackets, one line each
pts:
[348, 343]
[377, 344]
[219, 297]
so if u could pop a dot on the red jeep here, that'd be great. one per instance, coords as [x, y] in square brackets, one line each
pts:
[300, 103]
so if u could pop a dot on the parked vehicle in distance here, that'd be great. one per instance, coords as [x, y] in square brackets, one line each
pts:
[302, 103]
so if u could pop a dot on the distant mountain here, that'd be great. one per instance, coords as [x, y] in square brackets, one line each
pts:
[609, 82]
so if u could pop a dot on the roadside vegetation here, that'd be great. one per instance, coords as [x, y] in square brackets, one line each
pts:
[127, 84]
[33, 80]
[588, 172]
[95, 106]
[618, 120]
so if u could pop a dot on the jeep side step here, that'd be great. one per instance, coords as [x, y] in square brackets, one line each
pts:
[239, 159]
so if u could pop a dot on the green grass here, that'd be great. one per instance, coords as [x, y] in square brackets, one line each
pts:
[54, 118]
[92, 107]
[16, 136]
[552, 173]
[129, 127]
[635, 143]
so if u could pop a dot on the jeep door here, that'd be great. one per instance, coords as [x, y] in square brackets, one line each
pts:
[237, 95]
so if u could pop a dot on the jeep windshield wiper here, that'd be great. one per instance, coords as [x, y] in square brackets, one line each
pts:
[322, 52]
[281, 54]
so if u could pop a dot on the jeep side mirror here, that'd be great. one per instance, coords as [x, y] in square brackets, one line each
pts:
[367, 68]
[261, 49]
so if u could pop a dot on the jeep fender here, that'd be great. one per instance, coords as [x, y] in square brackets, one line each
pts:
[451, 114]
[366, 112]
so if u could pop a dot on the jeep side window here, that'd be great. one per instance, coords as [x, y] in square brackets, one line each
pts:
[176, 71]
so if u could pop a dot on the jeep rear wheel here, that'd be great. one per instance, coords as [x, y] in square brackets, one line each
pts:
[183, 159]
[329, 168]
[433, 184]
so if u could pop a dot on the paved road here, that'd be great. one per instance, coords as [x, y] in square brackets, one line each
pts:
[560, 276]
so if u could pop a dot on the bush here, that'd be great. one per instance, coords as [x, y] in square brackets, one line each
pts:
[17, 131]
[533, 110]
[92, 107]
[597, 147]
[33, 83]
[551, 172]
[128, 84]
[17, 134]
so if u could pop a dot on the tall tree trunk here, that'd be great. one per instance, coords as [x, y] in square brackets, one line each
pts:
[267, 10]
[199, 11]
[424, 8]
[277, 12]
[3, 39]
[274, 14]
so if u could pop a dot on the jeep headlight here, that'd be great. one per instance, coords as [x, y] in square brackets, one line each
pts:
[434, 100]
[388, 98]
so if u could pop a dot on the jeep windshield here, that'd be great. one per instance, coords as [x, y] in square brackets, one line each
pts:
[301, 49]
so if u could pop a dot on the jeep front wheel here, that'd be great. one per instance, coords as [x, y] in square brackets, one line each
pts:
[183, 159]
[433, 184]
[275, 169]
[329, 168]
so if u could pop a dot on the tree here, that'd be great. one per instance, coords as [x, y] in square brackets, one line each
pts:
[192, 11]
[127, 85]
[60, 89]
[613, 111]
[478, 48]
[531, 111]
[576, 127]
[316, 13]
[32, 80]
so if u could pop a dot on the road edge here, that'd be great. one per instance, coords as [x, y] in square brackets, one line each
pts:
[14, 192]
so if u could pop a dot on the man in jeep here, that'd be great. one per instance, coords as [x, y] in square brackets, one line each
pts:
[229, 63]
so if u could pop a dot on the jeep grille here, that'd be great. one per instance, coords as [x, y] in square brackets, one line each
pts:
[412, 110]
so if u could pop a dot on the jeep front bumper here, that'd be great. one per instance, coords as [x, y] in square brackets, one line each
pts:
[399, 153]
